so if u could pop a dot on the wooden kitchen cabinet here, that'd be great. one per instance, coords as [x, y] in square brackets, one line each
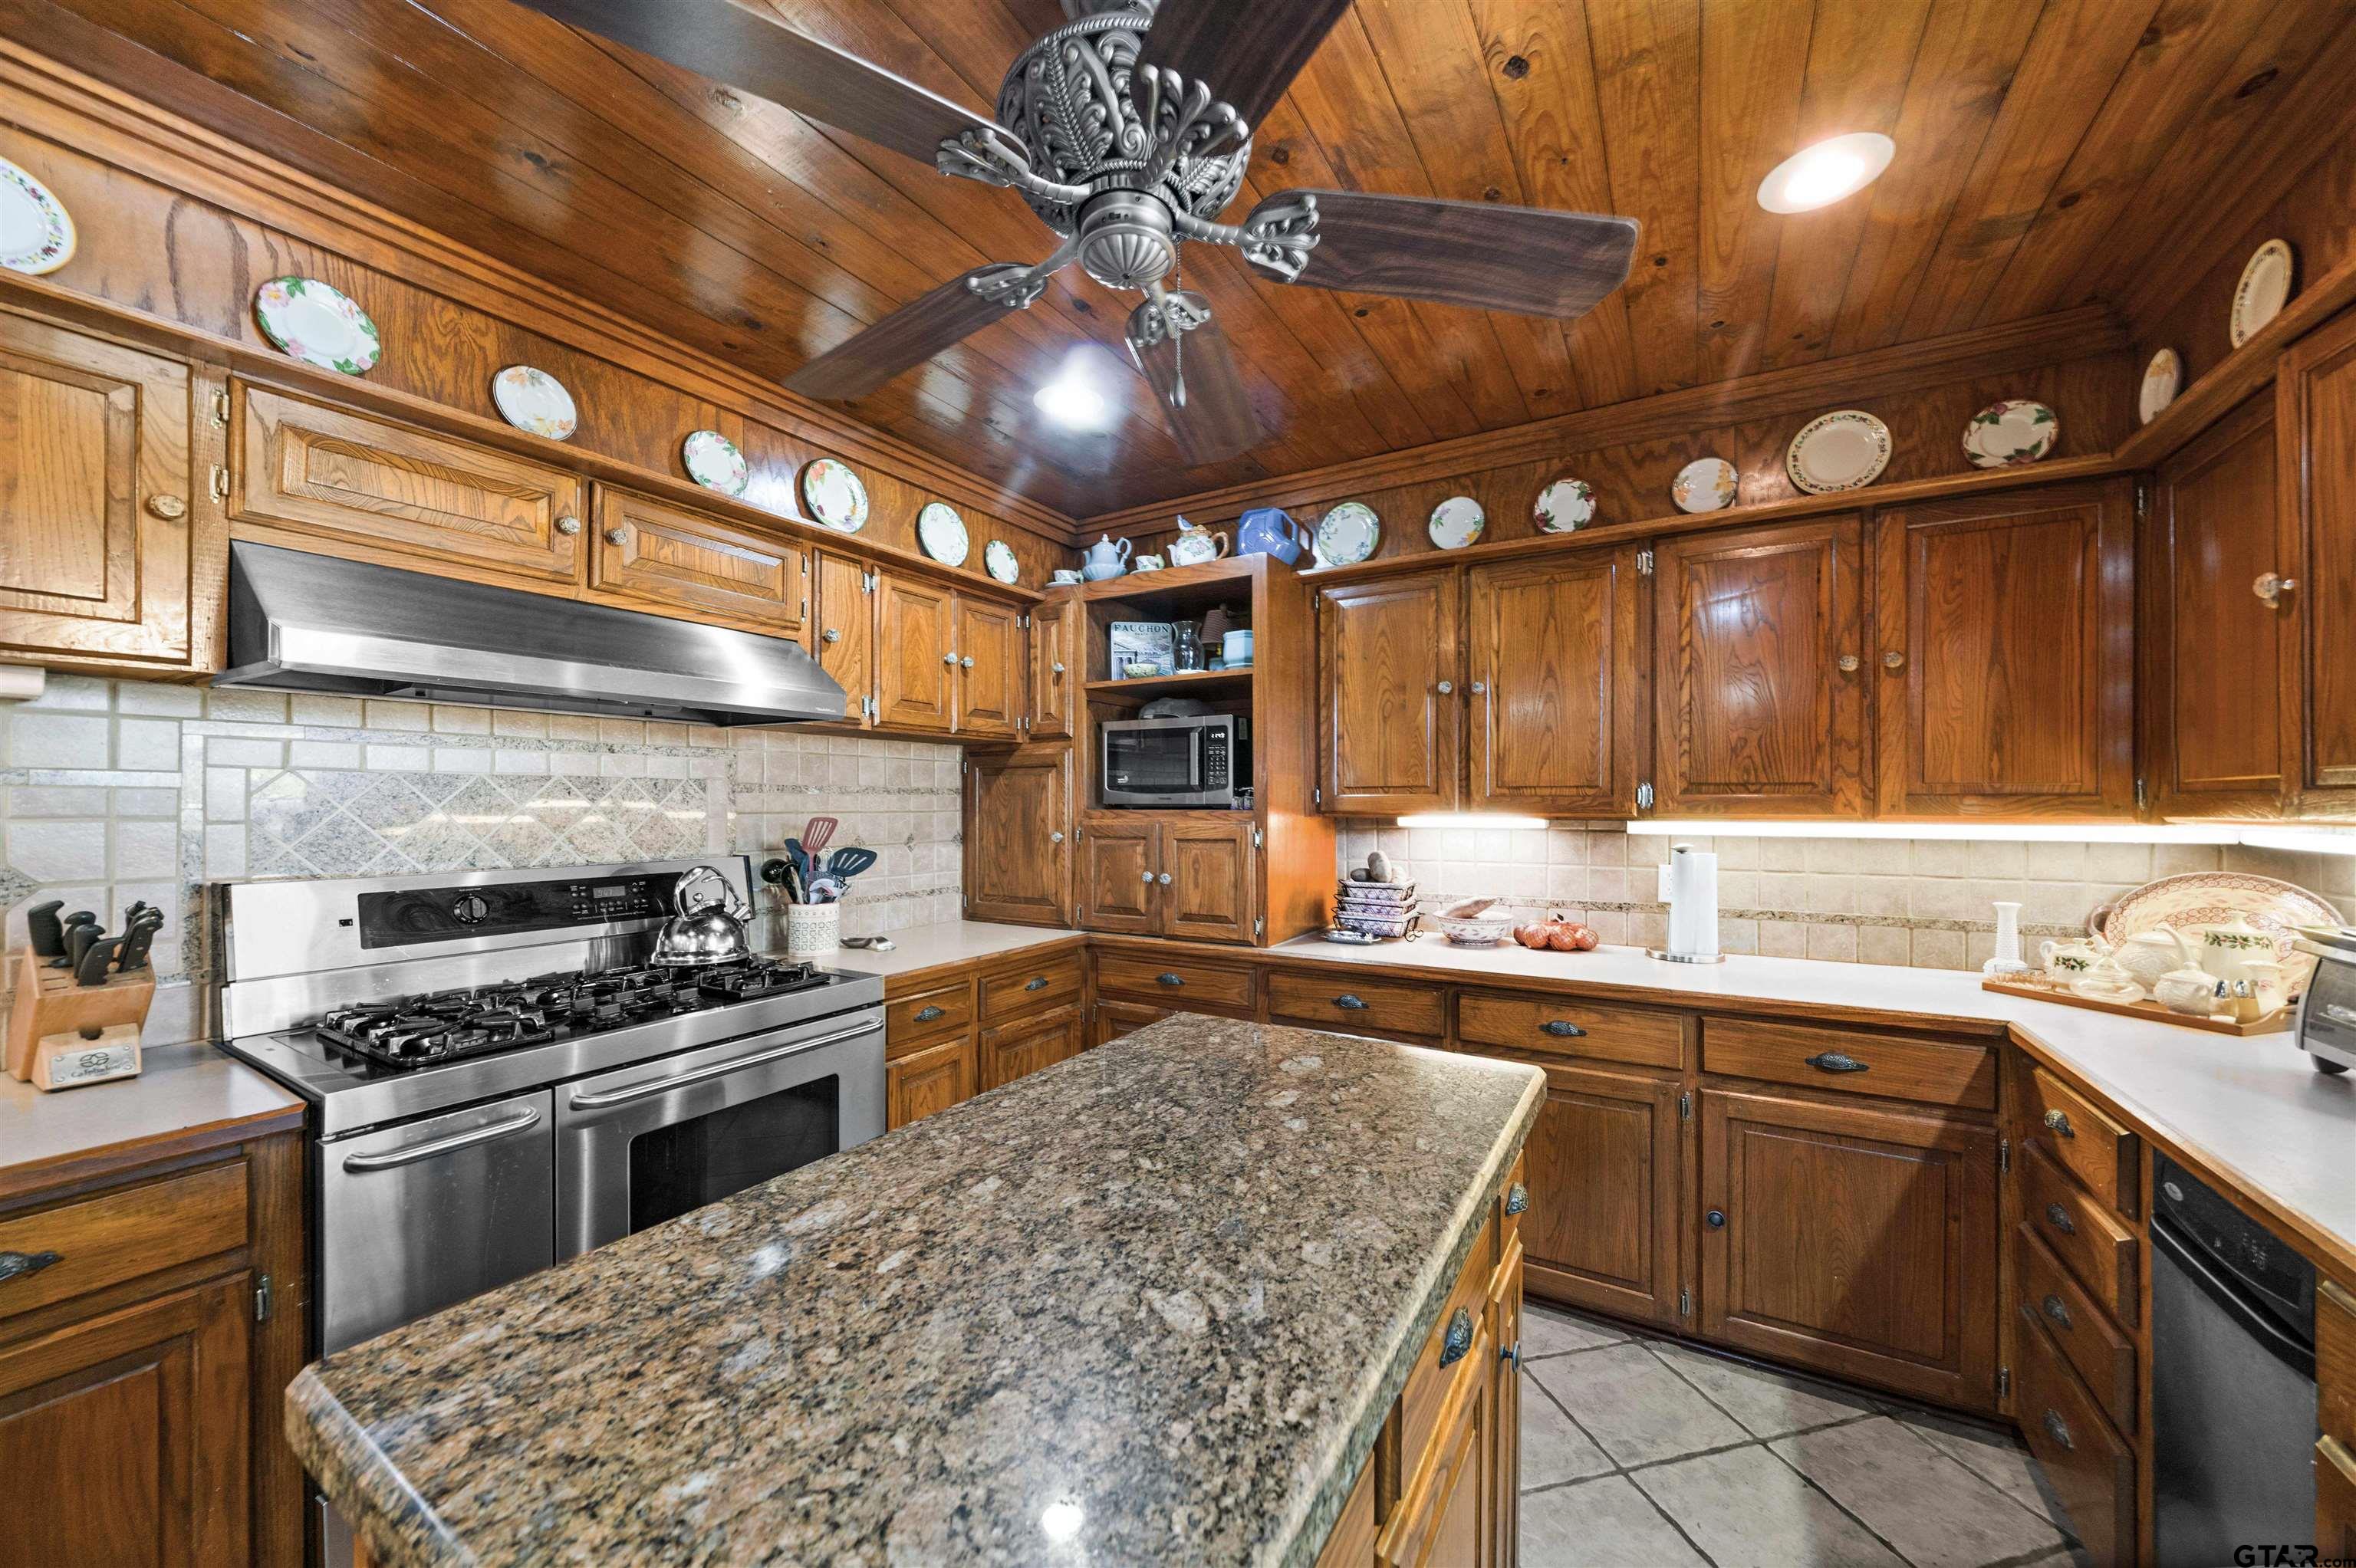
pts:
[1114, 1020]
[1554, 669]
[2004, 663]
[991, 695]
[843, 630]
[111, 539]
[1117, 857]
[928, 1079]
[1603, 1163]
[1055, 696]
[1388, 712]
[652, 556]
[2315, 391]
[1018, 825]
[1759, 688]
[1016, 1050]
[916, 656]
[1184, 874]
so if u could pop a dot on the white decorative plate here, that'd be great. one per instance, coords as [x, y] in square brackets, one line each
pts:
[2019, 430]
[2215, 898]
[998, 560]
[2264, 290]
[531, 399]
[713, 461]
[37, 232]
[940, 532]
[1348, 534]
[2161, 378]
[318, 324]
[1565, 506]
[1457, 522]
[1704, 484]
[836, 499]
[1840, 451]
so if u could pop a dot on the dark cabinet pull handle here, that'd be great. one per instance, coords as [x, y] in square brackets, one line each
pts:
[1350, 1002]
[2059, 1218]
[1036, 983]
[1717, 1218]
[2058, 1429]
[2057, 1311]
[1836, 1061]
[1511, 1354]
[1562, 1028]
[1517, 1198]
[2058, 1123]
[13, 1263]
[1169, 980]
[1459, 1339]
[926, 1014]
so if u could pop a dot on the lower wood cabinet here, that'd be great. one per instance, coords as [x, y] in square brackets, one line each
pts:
[1114, 1020]
[2090, 1468]
[1018, 822]
[1192, 875]
[1015, 1049]
[1602, 1171]
[928, 1078]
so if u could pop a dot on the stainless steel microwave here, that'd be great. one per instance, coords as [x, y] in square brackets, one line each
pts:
[1203, 759]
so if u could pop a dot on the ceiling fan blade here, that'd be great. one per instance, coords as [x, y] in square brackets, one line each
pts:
[1194, 372]
[909, 335]
[745, 46]
[1246, 52]
[1521, 259]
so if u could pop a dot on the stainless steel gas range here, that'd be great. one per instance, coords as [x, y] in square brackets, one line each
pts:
[496, 1080]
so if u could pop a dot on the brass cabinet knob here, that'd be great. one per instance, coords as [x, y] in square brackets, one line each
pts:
[617, 536]
[830, 635]
[2058, 1122]
[568, 525]
[2271, 588]
[1893, 659]
[1848, 663]
[171, 509]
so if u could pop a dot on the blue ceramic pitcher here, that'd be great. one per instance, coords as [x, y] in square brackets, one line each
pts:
[1268, 531]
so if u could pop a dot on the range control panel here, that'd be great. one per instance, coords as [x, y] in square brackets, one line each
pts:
[401, 919]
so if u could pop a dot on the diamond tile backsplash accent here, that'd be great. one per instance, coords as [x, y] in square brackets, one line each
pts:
[116, 791]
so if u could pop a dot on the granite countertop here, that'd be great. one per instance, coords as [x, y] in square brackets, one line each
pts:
[183, 1092]
[1149, 1305]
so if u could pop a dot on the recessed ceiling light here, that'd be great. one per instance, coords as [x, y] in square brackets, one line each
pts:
[1819, 175]
[1073, 404]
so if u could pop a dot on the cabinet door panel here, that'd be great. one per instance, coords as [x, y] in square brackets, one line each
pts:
[989, 667]
[1023, 1047]
[2009, 621]
[2316, 394]
[653, 556]
[1054, 669]
[1118, 862]
[1114, 1019]
[1755, 715]
[1554, 667]
[1212, 871]
[1602, 1226]
[1388, 735]
[917, 685]
[1862, 1242]
[97, 440]
[845, 637]
[1018, 824]
[929, 1080]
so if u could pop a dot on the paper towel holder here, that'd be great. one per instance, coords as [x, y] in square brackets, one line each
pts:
[1667, 957]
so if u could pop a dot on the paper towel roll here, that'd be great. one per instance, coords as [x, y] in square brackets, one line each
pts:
[1690, 886]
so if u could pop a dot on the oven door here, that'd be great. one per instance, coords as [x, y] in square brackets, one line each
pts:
[1153, 759]
[649, 1142]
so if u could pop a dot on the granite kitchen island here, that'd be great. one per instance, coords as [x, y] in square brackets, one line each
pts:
[1155, 1304]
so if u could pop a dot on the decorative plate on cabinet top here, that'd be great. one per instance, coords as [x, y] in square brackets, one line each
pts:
[37, 232]
[2016, 431]
[531, 399]
[2215, 898]
[998, 560]
[2161, 378]
[2264, 290]
[1457, 522]
[713, 461]
[1348, 534]
[939, 530]
[1841, 451]
[1704, 484]
[836, 499]
[318, 324]
[1565, 506]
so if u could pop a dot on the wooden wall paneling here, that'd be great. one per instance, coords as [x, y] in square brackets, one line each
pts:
[1753, 61]
[1553, 678]
[2314, 436]
[1647, 56]
[1388, 734]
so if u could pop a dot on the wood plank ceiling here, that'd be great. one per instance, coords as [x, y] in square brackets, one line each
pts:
[2044, 148]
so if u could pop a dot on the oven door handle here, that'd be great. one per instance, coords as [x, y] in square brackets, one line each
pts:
[603, 1098]
[432, 1146]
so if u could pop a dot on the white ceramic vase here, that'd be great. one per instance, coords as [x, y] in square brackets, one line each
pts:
[2008, 959]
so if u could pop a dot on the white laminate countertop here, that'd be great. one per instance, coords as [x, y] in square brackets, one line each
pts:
[950, 942]
[181, 1091]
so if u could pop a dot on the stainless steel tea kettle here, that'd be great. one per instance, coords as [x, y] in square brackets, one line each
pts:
[707, 922]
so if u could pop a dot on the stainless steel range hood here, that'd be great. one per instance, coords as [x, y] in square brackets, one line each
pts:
[313, 623]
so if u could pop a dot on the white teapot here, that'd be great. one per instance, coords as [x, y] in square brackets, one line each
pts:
[2069, 960]
[2148, 954]
[1195, 545]
[2229, 949]
[1106, 558]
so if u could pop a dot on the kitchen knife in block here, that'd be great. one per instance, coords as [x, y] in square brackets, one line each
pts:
[97, 960]
[138, 939]
[48, 933]
[63, 957]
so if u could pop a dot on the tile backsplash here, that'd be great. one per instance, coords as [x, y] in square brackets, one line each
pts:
[116, 791]
[1923, 902]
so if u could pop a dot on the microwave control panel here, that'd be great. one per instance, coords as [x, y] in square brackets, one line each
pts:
[1214, 759]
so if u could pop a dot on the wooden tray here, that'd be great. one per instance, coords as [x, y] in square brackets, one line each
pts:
[2273, 1023]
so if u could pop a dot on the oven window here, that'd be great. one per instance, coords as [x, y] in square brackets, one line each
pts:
[1152, 759]
[685, 1164]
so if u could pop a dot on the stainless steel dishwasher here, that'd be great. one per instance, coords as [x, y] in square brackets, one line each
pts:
[2233, 1378]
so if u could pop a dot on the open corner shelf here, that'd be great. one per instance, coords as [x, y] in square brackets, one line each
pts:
[1198, 682]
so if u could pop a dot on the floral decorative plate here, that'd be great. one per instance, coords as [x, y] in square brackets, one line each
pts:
[531, 399]
[2019, 430]
[713, 461]
[1565, 506]
[318, 324]
[37, 232]
[998, 560]
[1841, 451]
[1457, 522]
[1348, 534]
[1704, 484]
[2264, 290]
[939, 530]
[836, 499]
[2161, 377]
[2215, 898]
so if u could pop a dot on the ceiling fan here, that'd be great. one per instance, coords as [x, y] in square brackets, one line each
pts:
[1128, 131]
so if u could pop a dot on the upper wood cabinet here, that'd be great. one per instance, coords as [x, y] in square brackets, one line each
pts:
[1554, 669]
[110, 542]
[1193, 875]
[843, 636]
[1388, 710]
[1056, 664]
[363, 487]
[2003, 661]
[916, 655]
[2214, 651]
[989, 667]
[1018, 824]
[1759, 694]
[653, 556]
[2315, 389]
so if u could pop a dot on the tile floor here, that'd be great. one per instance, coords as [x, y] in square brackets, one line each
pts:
[1644, 1453]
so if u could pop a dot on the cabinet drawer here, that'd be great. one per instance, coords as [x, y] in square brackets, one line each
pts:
[1347, 1000]
[117, 1236]
[1180, 983]
[911, 1020]
[2098, 1250]
[1891, 1066]
[1563, 1026]
[1013, 992]
[2103, 1355]
[2087, 1465]
[2088, 1144]
[1437, 1365]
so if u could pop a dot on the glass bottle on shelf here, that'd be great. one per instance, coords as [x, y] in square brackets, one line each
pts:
[1190, 645]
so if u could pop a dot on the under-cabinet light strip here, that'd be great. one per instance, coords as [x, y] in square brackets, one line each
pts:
[2309, 840]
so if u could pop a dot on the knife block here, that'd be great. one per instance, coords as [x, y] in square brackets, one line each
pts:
[48, 1002]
